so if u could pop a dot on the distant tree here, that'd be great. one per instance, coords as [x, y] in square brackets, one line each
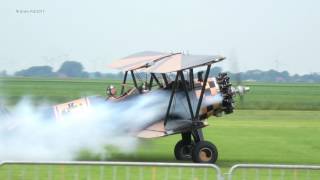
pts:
[84, 74]
[215, 71]
[3, 73]
[45, 71]
[311, 78]
[95, 74]
[98, 74]
[76, 69]
[72, 69]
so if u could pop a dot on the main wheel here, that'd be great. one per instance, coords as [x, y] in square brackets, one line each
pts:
[204, 152]
[183, 150]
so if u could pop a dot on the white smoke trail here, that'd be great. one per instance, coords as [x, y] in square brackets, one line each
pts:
[27, 135]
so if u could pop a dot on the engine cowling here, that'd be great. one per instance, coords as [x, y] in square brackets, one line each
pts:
[229, 92]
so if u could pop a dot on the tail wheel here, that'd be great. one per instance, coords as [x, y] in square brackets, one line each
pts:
[204, 152]
[183, 150]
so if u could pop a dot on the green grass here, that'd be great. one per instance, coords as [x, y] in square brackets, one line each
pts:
[51, 90]
[261, 96]
[249, 136]
[283, 96]
[280, 124]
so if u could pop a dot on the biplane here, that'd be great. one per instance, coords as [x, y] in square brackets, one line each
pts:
[182, 75]
[192, 96]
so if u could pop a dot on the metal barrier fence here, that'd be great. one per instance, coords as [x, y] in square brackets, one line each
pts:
[87, 170]
[273, 171]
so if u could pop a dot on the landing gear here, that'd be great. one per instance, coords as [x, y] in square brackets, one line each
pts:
[204, 152]
[183, 150]
[199, 151]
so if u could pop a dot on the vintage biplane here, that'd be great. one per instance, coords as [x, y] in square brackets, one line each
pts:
[191, 98]
[175, 73]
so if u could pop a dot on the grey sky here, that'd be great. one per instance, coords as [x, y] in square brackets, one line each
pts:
[265, 34]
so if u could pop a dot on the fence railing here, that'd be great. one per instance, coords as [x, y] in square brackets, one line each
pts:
[74, 170]
[25, 170]
[274, 171]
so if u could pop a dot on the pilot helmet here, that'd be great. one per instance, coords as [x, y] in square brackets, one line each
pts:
[111, 90]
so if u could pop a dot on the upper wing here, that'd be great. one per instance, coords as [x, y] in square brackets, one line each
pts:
[136, 61]
[180, 61]
[157, 62]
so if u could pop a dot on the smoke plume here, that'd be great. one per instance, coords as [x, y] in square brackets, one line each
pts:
[28, 133]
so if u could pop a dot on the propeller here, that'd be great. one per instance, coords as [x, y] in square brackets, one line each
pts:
[239, 88]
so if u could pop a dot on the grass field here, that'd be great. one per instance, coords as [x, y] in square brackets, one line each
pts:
[250, 136]
[262, 96]
[247, 136]
[279, 123]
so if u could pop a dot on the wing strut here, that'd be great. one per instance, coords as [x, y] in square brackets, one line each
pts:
[134, 80]
[156, 79]
[150, 82]
[185, 88]
[202, 91]
[164, 77]
[174, 86]
[187, 94]
[191, 78]
[124, 81]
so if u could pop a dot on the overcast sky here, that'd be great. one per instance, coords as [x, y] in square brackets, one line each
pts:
[263, 34]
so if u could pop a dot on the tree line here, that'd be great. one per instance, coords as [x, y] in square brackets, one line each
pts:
[71, 69]
[76, 70]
